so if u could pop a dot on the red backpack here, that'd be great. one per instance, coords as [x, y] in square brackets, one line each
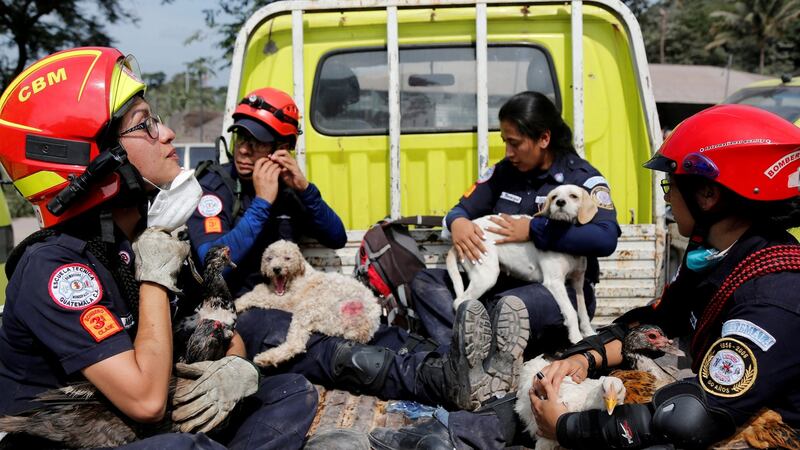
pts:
[388, 260]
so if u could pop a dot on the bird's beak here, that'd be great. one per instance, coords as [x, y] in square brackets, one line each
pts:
[611, 403]
[668, 346]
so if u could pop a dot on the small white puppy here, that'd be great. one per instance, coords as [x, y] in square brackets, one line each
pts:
[522, 260]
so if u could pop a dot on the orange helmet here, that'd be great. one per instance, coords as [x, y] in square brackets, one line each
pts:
[52, 118]
[750, 151]
[266, 112]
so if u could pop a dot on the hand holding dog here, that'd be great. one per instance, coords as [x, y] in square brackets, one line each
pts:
[265, 179]
[468, 240]
[514, 229]
[290, 171]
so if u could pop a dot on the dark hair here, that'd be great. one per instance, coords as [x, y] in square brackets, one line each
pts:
[533, 114]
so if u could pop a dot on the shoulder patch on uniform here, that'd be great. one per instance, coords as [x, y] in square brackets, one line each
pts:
[210, 205]
[729, 368]
[749, 330]
[594, 181]
[100, 323]
[602, 197]
[486, 175]
[75, 286]
[212, 225]
[469, 191]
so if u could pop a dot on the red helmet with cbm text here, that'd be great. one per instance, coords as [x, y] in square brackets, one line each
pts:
[752, 152]
[53, 118]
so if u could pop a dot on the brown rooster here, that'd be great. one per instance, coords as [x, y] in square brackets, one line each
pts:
[79, 416]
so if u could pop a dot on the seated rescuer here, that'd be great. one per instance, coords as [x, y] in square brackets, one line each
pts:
[732, 181]
[82, 302]
[263, 195]
[539, 157]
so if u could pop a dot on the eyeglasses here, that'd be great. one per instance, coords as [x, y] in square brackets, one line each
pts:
[260, 148]
[259, 103]
[150, 124]
[665, 184]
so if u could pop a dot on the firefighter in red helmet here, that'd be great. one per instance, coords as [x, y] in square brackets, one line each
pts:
[82, 144]
[262, 196]
[732, 181]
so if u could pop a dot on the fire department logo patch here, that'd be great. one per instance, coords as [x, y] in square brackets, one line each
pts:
[729, 368]
[602, 197]
[486, 175]
[100, 323]
[210, 205]
[75, 286]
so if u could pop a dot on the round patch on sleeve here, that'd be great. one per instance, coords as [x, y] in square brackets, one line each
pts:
[100, 323]
[75, 286]
[602, 197]
[729, 368]
[210, 205]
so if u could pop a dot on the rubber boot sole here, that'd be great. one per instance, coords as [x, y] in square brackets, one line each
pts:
[473, 335]
[511, 331]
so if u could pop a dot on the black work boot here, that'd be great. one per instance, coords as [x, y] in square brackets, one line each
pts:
[511, 329]
[426, 434]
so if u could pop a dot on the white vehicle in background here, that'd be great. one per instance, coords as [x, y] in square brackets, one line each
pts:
[192, 153]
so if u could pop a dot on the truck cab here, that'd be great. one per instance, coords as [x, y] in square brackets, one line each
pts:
[399, 103]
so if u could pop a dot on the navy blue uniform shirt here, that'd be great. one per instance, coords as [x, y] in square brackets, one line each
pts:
[754, 361]
[63, 313]
[258, 224]
[504, 189]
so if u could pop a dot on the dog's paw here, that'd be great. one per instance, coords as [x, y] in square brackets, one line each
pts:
[587, 331]
[265, 359]
[575, 336]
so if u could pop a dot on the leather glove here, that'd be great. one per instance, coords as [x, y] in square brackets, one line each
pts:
[159, 257]
[204, 403]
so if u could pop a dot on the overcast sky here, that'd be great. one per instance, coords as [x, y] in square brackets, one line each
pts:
[157, 40]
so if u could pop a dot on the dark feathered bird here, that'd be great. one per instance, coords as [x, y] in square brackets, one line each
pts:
[79, 416]
[206, 335]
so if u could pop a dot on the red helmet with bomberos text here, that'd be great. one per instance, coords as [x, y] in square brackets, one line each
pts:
[752, 152]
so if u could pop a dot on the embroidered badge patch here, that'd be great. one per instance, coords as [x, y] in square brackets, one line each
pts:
[486, 175]
[729, 368]
[749, 330]
[100, 323]
[210, 205]
[602, 197]
[75, 286]
[125, 257]
[213, 224]
[594, 181]
[510, 197]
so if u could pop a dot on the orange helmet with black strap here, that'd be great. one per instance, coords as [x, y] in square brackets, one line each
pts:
[54, 119]
[269, 115]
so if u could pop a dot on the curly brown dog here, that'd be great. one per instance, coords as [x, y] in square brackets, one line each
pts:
[329, 303]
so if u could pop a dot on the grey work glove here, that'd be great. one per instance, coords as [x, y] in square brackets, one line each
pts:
[204, 403]
[159, 257]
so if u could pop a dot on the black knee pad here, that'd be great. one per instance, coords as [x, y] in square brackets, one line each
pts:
[360, 366]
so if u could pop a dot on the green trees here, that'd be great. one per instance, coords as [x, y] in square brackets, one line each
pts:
[757, 35]
[35, 28]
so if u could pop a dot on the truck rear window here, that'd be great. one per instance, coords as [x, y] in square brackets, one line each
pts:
[437, 91]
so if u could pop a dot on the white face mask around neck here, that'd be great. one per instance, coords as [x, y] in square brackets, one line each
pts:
[172, 207]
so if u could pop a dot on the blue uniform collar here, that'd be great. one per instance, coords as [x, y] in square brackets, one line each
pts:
[557, 172]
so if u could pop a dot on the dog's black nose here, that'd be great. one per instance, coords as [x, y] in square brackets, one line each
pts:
[561, 202]
[277, 270]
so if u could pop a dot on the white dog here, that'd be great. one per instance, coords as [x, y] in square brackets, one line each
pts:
[522, 260]
[328, 303]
